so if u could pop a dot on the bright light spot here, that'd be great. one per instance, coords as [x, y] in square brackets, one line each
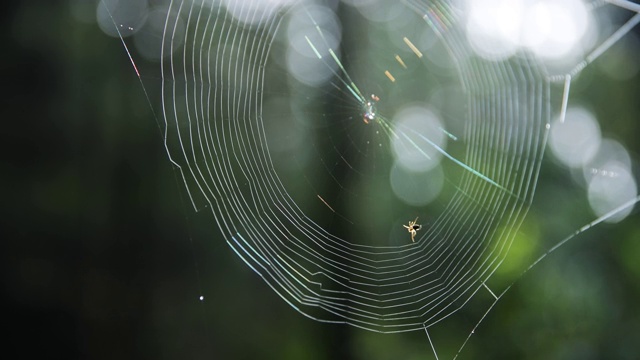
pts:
[609, 178]
[575, 141]
[419, 135]
[128, 16]
[493, 27]
[552, 29]
[309, 59]
[416, 188]
[610, 188]
[301, 27]
[610, 151]
[201, 298]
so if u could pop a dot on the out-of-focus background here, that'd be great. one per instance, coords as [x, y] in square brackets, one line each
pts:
[103, 258]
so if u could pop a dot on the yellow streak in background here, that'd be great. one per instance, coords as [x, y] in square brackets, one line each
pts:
[321, 199]
[399, 59]
[412, 47]
[390, 76]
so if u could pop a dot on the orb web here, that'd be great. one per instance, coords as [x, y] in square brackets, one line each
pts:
[313, 132]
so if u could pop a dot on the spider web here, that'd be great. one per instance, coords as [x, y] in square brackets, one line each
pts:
[301, 126]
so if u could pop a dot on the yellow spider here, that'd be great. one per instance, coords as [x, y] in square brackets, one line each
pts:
[413, 228]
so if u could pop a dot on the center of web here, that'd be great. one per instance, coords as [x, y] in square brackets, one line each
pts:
[370, 109]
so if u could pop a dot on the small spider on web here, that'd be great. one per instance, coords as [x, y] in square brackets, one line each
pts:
[413, 228]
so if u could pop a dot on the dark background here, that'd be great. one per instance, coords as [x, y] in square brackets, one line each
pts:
[102, 258]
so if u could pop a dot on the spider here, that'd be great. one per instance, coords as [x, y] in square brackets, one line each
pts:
[413, 228]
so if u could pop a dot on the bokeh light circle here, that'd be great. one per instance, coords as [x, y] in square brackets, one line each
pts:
[420, 137]
[575, 140]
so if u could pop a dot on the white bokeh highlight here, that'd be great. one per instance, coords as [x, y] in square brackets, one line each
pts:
[611, 187]
[609, 179]
[575, 140]
[493, 27]
[605, 163]
[419, 135]
[302, 59]
[551, 29]
[609, 151]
